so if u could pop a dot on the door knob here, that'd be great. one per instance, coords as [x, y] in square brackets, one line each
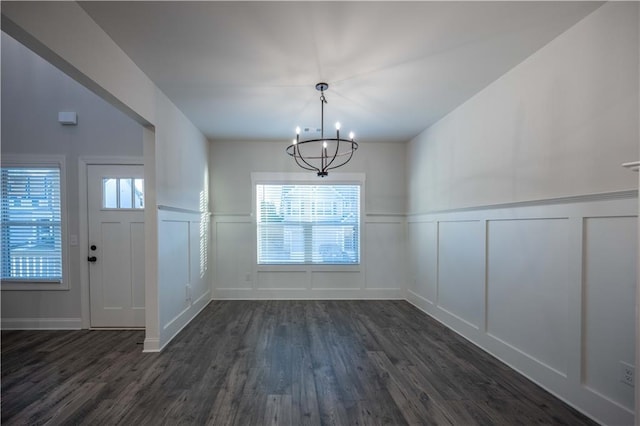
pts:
[92, 259]
[93, 247]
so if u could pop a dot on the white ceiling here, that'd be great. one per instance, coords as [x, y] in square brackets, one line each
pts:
[247, 70]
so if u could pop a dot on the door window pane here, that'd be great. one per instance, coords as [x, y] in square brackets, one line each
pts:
[126, 195]
[122, 193]
[110, 193]
[138, 197]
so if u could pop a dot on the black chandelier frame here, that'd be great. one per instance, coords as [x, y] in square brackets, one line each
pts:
[328, 150]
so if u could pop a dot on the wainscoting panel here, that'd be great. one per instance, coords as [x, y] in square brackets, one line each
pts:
[234, 255]
[137, 260]
[173, 274]
[335, 280]
[423, 255]
[282, 280]
[183, 279]
[527, 287]
[548, 287]
[609, 304]
[384, 243]
[460, 289]
[380, 274]
[198, 258]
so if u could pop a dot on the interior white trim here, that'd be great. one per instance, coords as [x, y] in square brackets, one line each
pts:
[180, 210]
[307, 294]
[612, 195]
[151, 344]
[181, 315]
[399, 216]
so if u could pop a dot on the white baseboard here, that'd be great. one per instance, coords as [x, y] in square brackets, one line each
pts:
[177, 324]
[41, 323]
[306, 294]
[151, 345]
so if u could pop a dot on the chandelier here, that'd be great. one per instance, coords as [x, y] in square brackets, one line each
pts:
[324, 154]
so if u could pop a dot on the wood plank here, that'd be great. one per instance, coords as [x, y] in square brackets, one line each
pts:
[272, 362]
[416, 405]
[278, 411]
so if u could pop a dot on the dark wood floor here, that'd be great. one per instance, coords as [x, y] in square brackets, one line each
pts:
[272, 362]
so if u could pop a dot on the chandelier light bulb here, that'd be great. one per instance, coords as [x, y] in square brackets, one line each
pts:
[337, 125]
[324, 144]
[298, 130]
[351, 135]
[295, 141]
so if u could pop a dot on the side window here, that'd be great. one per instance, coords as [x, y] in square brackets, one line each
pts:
[32, 226]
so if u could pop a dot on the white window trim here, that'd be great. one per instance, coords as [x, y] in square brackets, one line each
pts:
[334, 178]
[27, 160]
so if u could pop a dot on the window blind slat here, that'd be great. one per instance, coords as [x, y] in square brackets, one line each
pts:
[309, 224]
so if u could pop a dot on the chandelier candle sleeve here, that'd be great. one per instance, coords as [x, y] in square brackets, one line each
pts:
[333, 152]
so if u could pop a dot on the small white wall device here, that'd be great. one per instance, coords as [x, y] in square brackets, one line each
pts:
[68, 118]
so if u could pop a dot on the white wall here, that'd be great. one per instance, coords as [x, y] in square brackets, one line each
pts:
[560, 123]
[67, 37]
[182, 178]
[175, 152]
[545, 283]
[381, 274]
[33, 91]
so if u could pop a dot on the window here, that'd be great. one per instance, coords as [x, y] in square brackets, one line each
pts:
[308, 224]
[31, 234]
[122, 193]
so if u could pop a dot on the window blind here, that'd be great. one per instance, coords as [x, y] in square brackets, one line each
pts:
[308, 224]
[31, 224]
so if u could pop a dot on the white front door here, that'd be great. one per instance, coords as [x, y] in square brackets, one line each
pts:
[116, 245]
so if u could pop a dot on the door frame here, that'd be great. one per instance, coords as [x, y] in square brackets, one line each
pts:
[83, 221]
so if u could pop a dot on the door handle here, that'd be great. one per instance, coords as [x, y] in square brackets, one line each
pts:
[92, 259]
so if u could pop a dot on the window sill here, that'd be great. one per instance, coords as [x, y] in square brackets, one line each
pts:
[289, 267]
[32, 286]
